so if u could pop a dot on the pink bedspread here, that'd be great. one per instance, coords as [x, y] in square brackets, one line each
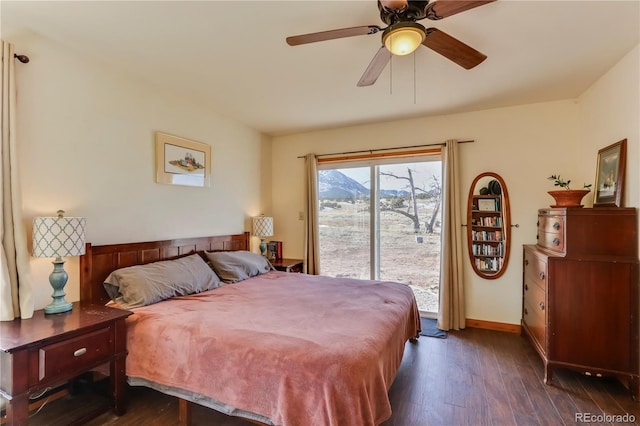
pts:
[297, 349]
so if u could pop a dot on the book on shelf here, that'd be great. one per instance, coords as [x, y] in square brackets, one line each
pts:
[490, 221]
[271, 250]
[495, 236]
[274, 250]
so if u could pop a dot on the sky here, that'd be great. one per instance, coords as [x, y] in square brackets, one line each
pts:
[422, 174]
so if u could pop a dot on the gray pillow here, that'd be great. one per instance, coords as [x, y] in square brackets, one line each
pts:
[234, 266]
[143, 285]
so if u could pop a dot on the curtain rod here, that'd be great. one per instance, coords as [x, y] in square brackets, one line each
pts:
[384, 149]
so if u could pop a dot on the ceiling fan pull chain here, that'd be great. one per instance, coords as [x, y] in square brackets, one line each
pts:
[414, 77]
[391, 76]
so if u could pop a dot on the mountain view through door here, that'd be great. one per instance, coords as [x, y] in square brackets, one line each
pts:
[383, 222]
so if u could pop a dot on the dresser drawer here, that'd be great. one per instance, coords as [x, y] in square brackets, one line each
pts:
[77, 354]
[553, 224]
[552, 241]
[551, 232]
[535, 269]
[534, 314]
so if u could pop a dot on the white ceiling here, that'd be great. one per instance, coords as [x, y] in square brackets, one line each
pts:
[232, 55]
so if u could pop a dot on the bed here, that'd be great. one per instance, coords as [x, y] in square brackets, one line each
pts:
[277, 348]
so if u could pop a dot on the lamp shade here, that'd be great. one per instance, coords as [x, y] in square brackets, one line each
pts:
[403, 38]
[263, 226]
[58, 236]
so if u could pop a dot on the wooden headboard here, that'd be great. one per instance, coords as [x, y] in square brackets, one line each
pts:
[99, 261]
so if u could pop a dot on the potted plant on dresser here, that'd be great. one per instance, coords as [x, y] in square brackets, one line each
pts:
[567, 197]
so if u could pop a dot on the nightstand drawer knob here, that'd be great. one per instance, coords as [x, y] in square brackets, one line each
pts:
[80, 352]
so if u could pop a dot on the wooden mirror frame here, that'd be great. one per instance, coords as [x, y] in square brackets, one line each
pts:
[505, 228]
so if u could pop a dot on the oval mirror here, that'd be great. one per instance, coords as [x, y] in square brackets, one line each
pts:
[488, 225]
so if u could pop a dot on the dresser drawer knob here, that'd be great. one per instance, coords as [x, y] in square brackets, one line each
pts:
[80, 352]
[541, 275]
[526, 287]
[526, 262]
[526, 312]
[542, 306]
[556, 226]
[556, 241]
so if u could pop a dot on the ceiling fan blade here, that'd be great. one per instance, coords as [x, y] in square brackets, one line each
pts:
[394, 4]
[332, 34]
[442, 8]
[375, 68]
[453, 49]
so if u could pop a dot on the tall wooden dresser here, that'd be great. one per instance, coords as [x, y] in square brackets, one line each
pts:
[580, 292]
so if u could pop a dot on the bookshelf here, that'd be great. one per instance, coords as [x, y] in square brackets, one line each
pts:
[488, 226]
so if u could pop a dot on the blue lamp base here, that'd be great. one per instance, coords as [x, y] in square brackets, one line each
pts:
[58, 279]
[263, 247]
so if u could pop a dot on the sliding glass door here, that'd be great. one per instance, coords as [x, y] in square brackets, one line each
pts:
[381, 220]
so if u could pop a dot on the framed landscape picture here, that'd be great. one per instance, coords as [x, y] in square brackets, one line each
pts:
[610, 172]
[182, 161]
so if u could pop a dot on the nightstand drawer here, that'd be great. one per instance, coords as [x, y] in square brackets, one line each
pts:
[295, 268]
[76, 354]
[288, 265]
[48, 350]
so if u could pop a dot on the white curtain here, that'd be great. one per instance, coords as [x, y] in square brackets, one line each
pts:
[451, 314]
[312, 244]
[15, 291]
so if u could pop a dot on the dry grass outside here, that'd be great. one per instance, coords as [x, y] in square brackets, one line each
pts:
[344, 250]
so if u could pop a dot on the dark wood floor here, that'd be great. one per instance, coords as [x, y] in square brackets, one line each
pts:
[474, 377]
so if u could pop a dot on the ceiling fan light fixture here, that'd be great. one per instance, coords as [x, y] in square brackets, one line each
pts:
[403, 38]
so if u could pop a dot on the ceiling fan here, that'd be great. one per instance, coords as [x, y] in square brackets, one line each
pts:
[403, 35]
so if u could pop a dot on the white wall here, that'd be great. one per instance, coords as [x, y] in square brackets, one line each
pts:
[609, 112]
[86, 136]
[523, 144]
[86, 133]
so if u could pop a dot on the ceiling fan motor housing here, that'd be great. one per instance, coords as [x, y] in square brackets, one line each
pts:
[414, 11]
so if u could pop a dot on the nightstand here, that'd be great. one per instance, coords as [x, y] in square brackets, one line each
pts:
[48, 350]
[288, 265]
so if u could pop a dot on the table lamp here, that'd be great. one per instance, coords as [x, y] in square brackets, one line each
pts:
[58, 237]
[263, 227]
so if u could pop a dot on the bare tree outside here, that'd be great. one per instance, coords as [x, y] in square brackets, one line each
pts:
[408, 227]
[434, 194]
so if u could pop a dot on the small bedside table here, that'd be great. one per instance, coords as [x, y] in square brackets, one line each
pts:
[49, 350]
[288, 265]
